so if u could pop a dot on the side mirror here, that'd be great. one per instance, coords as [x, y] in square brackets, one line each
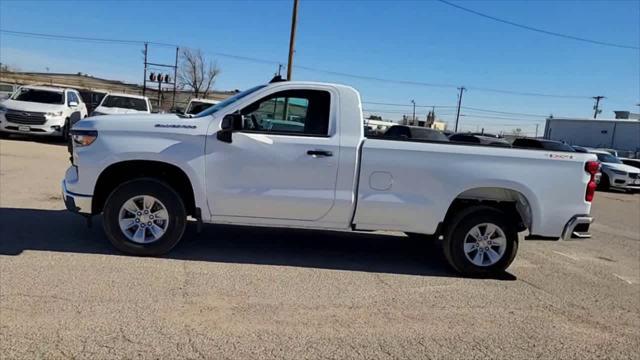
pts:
[73, 103]
[229, 124]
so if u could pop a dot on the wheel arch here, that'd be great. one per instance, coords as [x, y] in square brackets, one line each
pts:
[518, 205]
[123, 171]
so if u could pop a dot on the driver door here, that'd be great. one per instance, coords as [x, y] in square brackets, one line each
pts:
[282, 164]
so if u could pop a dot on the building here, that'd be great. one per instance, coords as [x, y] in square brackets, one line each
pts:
[627, 115]
[619, 134]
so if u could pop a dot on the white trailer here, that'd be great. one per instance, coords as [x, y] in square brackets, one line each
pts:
[619, 134]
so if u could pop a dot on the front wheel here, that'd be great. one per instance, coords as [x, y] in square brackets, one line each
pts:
[144, 217]
[480, 242]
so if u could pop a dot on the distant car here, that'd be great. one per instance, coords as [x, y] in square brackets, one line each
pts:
[414, 133]
[42, 111]
[199, 105]
[478, 139]
[610, 151]
[543, 144]
[580, 149]
[113, 104]
[631, 162]
[615, 174]
[6, 90]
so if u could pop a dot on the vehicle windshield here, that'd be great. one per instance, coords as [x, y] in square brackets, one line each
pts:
[196, 107]
[606, 158]
[124, 102]
[39, 96]
[228, 101]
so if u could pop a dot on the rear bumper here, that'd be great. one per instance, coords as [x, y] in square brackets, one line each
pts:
[76, 203]
[577, 228]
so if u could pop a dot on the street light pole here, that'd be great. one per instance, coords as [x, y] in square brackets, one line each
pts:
[292, 38]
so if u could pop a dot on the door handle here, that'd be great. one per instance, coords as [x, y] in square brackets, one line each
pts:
[316, 153]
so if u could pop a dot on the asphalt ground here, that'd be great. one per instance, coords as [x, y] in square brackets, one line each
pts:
[233, 292]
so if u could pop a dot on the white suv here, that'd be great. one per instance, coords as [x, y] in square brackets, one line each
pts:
[42, 110]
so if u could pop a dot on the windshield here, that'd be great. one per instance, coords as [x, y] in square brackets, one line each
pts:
[228, 101]
[125, 102]
[196, 107]
[606, 158]
[39, 96]
[557, 146]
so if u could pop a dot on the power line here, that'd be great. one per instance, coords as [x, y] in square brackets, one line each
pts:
[503, 112]
[83, 38]
[265, 61]
[547, 32]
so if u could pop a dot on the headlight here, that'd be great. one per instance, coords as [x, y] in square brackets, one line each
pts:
[619, 172]
[54, 113]
[83, 137]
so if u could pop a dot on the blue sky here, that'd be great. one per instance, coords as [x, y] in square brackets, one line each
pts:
[424, 41]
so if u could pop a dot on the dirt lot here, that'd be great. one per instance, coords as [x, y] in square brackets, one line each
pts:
[264, 293]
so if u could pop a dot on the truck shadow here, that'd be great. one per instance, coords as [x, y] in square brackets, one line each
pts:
[58, 230]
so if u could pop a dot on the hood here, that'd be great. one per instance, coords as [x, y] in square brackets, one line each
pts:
[621, 167]
[116, 110]
[144, 123]
[31, 106]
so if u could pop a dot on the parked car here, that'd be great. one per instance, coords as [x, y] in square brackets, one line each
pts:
[196, 106]
[615, 174]
[6, 90]
[544, 144]
[42, 110]
[631, 162]
[92, 98]
[123, 104]
[238, 162]
[478, 139]
[414, 133]
[610, 151]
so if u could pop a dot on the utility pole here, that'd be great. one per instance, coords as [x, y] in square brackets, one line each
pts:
[413, 119]
[175, 79]
[462, 89]
[292, 38]
[596, 107]
[144, 82]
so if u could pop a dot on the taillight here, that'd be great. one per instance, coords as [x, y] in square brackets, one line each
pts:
[592, 168]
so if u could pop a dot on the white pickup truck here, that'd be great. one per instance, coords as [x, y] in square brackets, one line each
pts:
[293, 154]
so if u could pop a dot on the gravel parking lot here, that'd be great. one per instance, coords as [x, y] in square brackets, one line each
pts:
[235, 292]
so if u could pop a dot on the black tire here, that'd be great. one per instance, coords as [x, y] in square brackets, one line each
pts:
[161, 191]
[456, 233]
[604, 184]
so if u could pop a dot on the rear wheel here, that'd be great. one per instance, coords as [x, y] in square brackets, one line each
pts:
[144, 217]
[480, 242]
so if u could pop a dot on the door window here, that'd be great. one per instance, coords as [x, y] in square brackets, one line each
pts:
[289, 112]
[71, 97]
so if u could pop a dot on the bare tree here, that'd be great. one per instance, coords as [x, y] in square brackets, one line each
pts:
[196, 73]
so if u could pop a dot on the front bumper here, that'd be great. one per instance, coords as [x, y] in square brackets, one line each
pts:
[76, 203]
[52, 127]
[577, 228]
[625, 182]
